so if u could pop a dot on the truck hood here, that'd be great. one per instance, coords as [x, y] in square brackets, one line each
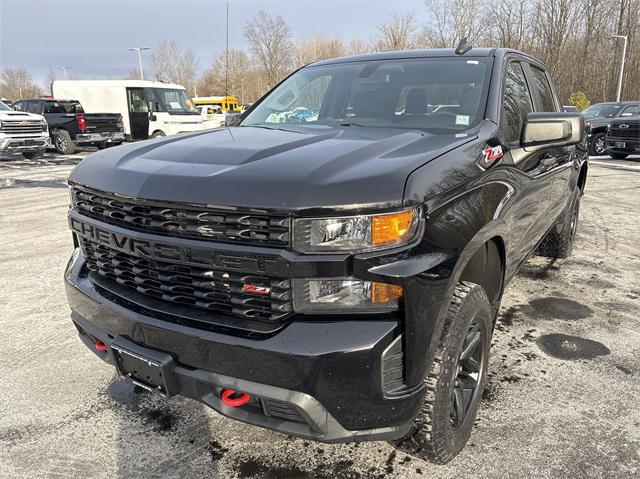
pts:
[350, 168]
[19, 115]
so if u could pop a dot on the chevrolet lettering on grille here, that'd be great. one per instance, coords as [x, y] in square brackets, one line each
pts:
[180, 254]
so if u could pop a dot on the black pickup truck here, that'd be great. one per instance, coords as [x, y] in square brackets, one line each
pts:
[70, 126]
[623, 137]
[334, 275]
[598, 117]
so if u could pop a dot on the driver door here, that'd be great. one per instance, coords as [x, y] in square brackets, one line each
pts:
[138, 114]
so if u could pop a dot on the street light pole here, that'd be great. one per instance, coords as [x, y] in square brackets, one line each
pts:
[64, 71]
[140, 50]
[624, 54]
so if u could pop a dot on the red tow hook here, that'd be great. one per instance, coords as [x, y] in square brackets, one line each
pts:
[234, 399]
[100, 346]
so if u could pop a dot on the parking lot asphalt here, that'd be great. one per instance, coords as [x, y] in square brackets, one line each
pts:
[562, 399]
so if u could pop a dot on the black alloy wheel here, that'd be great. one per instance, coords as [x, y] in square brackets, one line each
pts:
[470, 369]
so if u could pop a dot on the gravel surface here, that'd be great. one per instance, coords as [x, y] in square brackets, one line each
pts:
[561, 401]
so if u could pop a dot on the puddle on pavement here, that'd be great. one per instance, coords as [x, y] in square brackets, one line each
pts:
[563, 346]
[561, 308]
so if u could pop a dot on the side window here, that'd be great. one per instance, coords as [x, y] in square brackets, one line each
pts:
[517, 101]
[19, 106]
[543, 89]
[632, 110]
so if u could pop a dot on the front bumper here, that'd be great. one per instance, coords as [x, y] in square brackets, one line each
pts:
[24, 144]
[110, 137]
[326, 375]
[622, 145]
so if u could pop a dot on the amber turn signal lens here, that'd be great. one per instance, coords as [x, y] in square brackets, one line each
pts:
[392, 228]
[385, 293]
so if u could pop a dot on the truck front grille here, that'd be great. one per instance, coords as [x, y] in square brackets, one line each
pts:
[631, 132]
[21, 127]
[247, 296]
[178, 220]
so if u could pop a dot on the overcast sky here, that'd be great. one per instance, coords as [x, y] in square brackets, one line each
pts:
[93, 36]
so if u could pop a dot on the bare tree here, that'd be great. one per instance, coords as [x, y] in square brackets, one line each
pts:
[48, 80]
[17, 84]
[398, 33]
[171, 63]
[454, 20]
[319, 48]
[269, 40]
[240, 77]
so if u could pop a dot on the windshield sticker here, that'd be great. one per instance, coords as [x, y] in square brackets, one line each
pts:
[472, 62]
[462, 120]
[461, 135]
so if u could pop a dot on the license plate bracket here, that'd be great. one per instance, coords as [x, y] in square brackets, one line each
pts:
[150, 369]
[619, 144]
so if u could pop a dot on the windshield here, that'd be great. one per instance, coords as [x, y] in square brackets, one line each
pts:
[174, 101]
[4, 107]
[432, 94]
[602, 110]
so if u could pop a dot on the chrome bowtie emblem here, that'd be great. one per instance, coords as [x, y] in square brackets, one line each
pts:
[624, 125]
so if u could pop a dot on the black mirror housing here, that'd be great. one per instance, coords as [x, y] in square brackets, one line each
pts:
[552, 129]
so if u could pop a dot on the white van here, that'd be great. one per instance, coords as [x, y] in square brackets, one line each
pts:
[149, 109]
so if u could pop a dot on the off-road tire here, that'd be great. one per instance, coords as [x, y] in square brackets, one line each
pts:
[63, 143]
[618, 156]
[597, 139]
[558, 243]
[433, 436]
[103, 145]
[33, 155]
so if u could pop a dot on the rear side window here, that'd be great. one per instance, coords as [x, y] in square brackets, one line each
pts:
[62, 107]
[543, 89]
[517, 101]
[632, 110]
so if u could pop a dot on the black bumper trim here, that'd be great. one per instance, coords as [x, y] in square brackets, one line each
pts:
[204, 386]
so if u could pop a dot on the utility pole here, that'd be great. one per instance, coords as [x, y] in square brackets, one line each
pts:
[624, 54]
[226, 56]
[140, 50]
[64, 71]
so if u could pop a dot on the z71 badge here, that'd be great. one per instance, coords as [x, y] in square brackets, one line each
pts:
[490, 155]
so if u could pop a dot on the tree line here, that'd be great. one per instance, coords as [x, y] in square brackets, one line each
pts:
[574, 38]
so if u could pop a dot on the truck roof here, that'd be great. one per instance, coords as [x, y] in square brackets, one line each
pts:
[424, 53]
[122, 83]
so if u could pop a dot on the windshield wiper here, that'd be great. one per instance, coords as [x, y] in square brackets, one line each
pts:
[352, 124]
[269, 128]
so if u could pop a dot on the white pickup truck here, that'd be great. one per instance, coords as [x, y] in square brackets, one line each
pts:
[22, 132]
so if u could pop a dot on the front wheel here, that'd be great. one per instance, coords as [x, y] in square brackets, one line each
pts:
[158, 134]
[455, 380]
[618, 156]
[596, 145]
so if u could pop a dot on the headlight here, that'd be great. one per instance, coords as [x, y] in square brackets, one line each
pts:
[355, 233]
[344, 295]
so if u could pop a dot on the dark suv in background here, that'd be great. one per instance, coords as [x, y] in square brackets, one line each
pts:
[598, 117]
[334, 275]
[70, 126]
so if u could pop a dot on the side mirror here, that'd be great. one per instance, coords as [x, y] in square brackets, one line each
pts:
[552, 129]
